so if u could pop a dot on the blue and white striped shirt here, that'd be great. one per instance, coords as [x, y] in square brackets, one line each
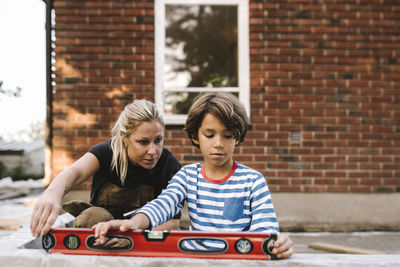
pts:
[240, 202]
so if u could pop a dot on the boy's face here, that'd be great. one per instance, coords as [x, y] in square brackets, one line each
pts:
[217, 144]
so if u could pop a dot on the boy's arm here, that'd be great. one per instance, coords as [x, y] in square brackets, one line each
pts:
[168, 203]
[264, 219]
[172, 224]
[263, 213]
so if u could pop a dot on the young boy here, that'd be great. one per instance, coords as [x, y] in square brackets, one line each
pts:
[222, 194]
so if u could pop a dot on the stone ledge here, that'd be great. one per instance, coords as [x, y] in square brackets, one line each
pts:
[337, 212]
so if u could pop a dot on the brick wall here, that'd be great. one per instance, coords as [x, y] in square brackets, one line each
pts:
[325, 80]
[104, 60]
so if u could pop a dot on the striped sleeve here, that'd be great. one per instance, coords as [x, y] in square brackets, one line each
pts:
[263, 212]
[169, 202]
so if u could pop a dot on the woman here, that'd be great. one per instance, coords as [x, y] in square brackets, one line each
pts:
[128, 171]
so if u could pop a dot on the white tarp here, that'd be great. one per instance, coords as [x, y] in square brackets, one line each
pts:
[36, 258]
[13, 254]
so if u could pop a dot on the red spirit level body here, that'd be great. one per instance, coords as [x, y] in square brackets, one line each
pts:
[243, 245]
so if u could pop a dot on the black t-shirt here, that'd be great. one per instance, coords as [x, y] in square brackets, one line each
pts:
[158, 177]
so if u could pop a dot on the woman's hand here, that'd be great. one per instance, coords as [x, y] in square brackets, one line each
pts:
[45, 212]
[283, 247]
[48, 206]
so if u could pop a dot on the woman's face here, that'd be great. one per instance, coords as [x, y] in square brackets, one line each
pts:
[145, 144]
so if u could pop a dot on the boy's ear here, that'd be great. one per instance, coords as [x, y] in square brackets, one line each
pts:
[195, 141]
[237, 141]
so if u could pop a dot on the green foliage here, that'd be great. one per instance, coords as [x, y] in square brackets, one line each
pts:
[183, 107]
[18, 173]
[209, 38]
[217, 80]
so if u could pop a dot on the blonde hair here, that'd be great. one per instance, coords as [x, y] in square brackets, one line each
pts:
[224, 106]
[130, 118]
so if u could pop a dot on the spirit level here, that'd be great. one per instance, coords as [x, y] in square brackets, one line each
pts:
[189, 244]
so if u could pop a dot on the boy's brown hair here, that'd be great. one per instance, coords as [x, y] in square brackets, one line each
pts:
[224, 106]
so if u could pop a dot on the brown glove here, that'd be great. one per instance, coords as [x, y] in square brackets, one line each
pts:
[75, 207]
[91, 216]
[86, 214]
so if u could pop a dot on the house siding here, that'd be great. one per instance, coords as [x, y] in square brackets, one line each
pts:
[324, 89]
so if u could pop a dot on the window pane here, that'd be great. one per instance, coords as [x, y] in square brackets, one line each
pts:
[200, 46]
[180, 102]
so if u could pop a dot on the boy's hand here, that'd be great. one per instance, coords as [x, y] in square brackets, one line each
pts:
[283, 247]
[139, 221]
[101, 229]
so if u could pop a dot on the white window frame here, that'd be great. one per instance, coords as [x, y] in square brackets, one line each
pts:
[243, 55]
